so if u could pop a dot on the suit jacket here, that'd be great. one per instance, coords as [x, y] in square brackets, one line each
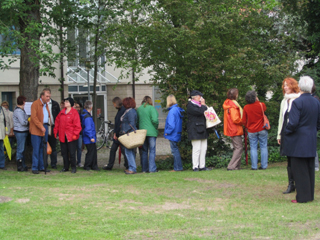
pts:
[36, 120]
[301, 130]
[196, 125]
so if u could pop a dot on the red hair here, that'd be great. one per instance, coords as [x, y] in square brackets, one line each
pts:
[292, 84]
[129, 102]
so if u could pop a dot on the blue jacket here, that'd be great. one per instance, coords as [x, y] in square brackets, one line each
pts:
[129, 118]
[301, 130]
[88, 127]
[173, 128]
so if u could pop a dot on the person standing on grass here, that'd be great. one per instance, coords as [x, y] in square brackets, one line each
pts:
[232, 126]
[128, 124]
[300, 134]
[39, 126]
[3, 132]
[68, 127]
[117, 103]
[197, 131]
[54, 111]
[173, 130]
[78, 106]
[21, 131]
[148, 119]
[89, 137]
[253, 120]
[291, 91]
[5, 106]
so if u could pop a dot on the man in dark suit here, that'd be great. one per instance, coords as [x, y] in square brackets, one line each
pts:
[301, 136]
[54, 111]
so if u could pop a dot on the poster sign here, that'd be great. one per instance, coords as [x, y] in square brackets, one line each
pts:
[27, 108]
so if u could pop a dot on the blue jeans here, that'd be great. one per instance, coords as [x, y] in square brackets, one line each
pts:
[38, 147]
[262, 138]
[21, 143]
[149, 144]
[2, 159]
[79, 149]
[177, 163]
[130, 154]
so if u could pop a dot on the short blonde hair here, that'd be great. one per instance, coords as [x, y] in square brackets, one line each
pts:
[171, 100]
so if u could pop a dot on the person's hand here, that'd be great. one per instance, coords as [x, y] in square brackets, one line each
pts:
[202, 101]
[74, 137]
[43, 129]
[115, 137]
[11, 134]
[92, 139]
[279, 141]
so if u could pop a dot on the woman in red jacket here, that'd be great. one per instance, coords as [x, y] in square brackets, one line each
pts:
[68, 127]
[232, 126]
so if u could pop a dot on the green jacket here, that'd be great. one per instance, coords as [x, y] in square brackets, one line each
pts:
[148, 119]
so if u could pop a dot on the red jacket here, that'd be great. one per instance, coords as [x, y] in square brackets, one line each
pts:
[253, 117]
[232, 125]
[67, 125]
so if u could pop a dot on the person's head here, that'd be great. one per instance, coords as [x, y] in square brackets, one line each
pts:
[129, 102]
[68, 102]
[77, 106]
[251, 97]
[196, 95]
[146, 100]
[21, 100]
[117, 102]
[290, 85]
[45, 95]
[171, 100]
[5, 104]
[62, 105]
[232, 93]
[88, 105]
[306, 84]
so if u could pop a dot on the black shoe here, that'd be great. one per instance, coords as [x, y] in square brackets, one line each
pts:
[260, 168]
[26, 168]
[54, 167]
[35, 171]
[205, 169]
[64, 170]
[107, 168]
[19, 166]
[196, 169]
[87, 169]
[45, 170]
[74, 170]
[254, 169]
[3, 168]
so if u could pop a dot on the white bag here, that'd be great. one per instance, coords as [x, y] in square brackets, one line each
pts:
[212, 118]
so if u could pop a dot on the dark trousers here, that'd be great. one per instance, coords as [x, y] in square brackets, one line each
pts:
[53, 143]
[112, 155]
[68, 149]
[303, 173]
[91, 161]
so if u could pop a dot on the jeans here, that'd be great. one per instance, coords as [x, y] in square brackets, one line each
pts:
[21, 143]
[149, 144]
[177, 163]
[38, 148]
[262, 138]
[2, 159]
[131, 159]
[79, 149]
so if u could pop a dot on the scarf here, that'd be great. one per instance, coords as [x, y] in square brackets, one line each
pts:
[196, 103]
[240, 108]
[121, 118]
[288, 101]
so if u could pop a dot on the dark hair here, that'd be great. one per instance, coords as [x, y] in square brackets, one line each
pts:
[251, 97]
[146, 100]
[45, 90]
[117, 101]
[232, 93]
[129, 102]
[21, 100]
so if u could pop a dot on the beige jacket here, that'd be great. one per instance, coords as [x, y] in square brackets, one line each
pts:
[4, 116]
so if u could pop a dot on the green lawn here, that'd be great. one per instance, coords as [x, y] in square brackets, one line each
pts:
[217, 204]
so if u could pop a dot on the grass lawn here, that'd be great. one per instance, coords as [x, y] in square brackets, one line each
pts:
[217, 204]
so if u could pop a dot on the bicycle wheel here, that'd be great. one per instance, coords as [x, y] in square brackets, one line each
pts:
[101, 139]
[109, 138]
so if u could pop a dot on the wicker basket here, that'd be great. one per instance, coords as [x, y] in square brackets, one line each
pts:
[133, 139]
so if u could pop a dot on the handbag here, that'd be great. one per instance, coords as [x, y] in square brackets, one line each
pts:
[266, 123]
[133, 139]
[212, 118]
[49, 149]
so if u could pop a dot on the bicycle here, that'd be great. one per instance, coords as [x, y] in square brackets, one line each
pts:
[103, 136]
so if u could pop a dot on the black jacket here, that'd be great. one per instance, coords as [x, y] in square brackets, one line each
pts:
[117, 121]
[55, 109]
[196, 122]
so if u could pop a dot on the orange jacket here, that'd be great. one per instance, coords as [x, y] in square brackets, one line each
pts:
[232, 124]
[36, 119]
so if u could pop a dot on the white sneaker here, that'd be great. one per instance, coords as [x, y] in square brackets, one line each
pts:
[317, 169]
[80, 165]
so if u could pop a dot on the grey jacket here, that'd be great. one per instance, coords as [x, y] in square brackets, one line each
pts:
[20, 120]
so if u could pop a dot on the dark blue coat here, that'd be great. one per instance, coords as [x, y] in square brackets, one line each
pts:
[173, 127]
[88, 127]
[129, 119]
[301, 130]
